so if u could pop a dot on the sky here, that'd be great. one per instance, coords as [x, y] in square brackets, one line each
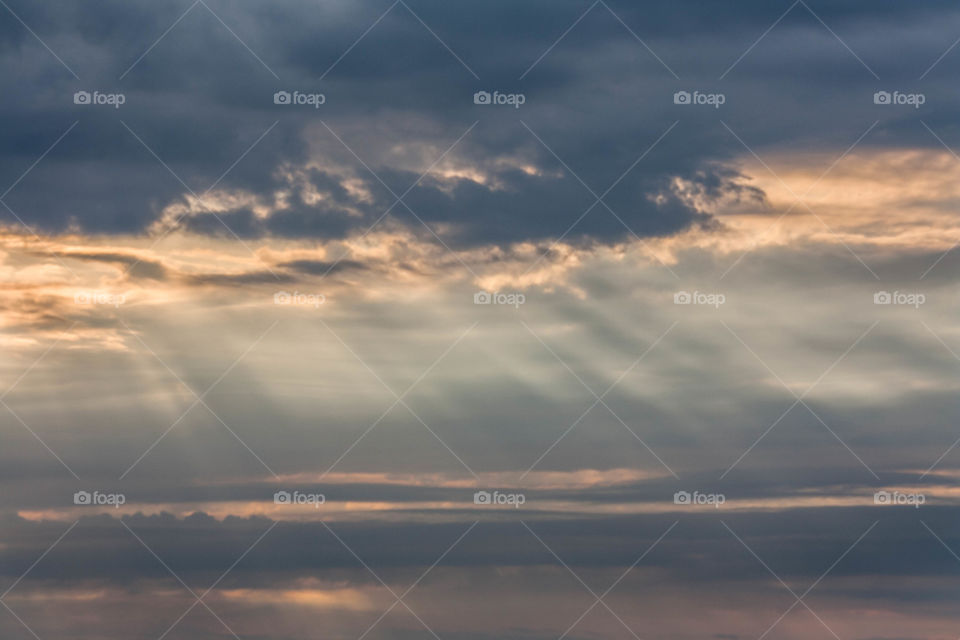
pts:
[426, 320]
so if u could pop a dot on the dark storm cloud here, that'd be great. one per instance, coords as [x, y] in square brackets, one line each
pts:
[200, 99]
[798, 544]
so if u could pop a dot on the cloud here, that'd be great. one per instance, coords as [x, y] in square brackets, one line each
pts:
[400, 113]
[395, 202]
[134, 265]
